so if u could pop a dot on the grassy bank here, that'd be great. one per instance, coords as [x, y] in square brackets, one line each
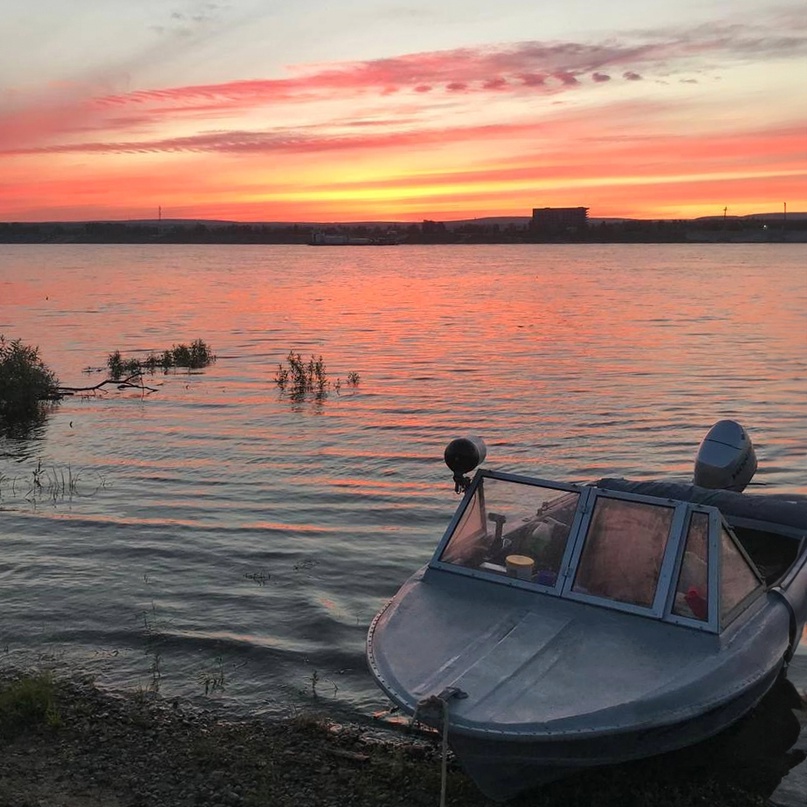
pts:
[68, 743]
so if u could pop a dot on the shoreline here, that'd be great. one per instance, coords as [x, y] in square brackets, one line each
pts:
[92, 748]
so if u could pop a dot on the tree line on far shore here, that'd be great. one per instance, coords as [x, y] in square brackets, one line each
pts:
[427, 232]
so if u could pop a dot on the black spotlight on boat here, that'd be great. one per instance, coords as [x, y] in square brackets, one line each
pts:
[462, 456]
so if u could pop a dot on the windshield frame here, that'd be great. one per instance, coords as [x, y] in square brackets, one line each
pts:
[561, 487]
[672, 559]
[667, 565]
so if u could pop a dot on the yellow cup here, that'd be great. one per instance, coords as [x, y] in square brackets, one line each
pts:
[520, 566]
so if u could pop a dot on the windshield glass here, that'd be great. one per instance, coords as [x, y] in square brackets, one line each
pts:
[737, 580]
[516, 529]
[692, 590]
[623, 550]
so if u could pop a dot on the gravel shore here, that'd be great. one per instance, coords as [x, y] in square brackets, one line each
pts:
[90, 748]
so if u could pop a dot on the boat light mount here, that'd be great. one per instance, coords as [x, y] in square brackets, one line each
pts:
[462, 456]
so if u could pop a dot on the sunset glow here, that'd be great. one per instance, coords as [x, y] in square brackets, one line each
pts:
[252, 112]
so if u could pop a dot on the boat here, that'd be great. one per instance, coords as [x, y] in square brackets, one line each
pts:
[560, 626]
[321, 239]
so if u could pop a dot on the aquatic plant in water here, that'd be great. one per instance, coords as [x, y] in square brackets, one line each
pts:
[301, 379]
[192, 357]
[214, 680]
[54, 483]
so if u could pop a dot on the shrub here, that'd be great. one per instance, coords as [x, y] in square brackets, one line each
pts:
[25, 381]
[120, 367]
[193, 357]
[301, 379]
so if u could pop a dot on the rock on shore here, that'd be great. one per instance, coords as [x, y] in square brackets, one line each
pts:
[96, 749]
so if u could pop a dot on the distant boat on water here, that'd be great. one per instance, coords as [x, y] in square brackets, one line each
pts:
[320, 239]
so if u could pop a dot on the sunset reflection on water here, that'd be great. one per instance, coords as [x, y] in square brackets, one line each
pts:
[572, 362]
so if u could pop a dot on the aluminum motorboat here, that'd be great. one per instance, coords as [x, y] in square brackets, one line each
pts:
[563, 626]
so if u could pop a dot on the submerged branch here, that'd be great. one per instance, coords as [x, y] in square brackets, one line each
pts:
[125, 383]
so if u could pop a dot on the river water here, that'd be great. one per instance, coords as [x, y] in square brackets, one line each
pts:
[216, 539]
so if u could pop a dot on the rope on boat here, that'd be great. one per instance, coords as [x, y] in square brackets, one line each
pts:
[439, 703]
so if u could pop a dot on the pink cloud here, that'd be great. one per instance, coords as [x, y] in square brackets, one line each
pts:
[566, 79]
[522, 69]
[516, 67]
[299, 141]
[532, 79]
[523, 64]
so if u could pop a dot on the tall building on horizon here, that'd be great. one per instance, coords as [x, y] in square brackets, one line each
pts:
[554, 220]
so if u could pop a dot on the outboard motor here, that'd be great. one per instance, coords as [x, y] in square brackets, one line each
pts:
[726, 458]
[462, 456]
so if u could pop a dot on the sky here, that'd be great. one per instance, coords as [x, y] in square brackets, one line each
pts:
[358, 110]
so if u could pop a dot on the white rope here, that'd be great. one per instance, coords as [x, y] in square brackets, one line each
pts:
[444, 769]
[440, 702]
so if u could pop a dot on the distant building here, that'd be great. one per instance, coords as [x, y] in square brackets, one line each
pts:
[552, 220]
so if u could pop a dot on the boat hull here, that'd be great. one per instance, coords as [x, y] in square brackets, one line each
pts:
[641, 694]
[536, 677]
[504, 768]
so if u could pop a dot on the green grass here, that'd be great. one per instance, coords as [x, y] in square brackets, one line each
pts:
[29, 701]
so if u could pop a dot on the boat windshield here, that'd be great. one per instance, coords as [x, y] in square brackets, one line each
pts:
[514, 529]
[666, 558]
[623, 550]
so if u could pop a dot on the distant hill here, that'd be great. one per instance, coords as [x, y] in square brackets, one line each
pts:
[795, 216]
[754, 228]
[483, 221]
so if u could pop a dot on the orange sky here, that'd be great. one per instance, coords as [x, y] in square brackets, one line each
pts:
[239, 112]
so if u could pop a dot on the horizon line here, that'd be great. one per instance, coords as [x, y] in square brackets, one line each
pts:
[161, 219]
